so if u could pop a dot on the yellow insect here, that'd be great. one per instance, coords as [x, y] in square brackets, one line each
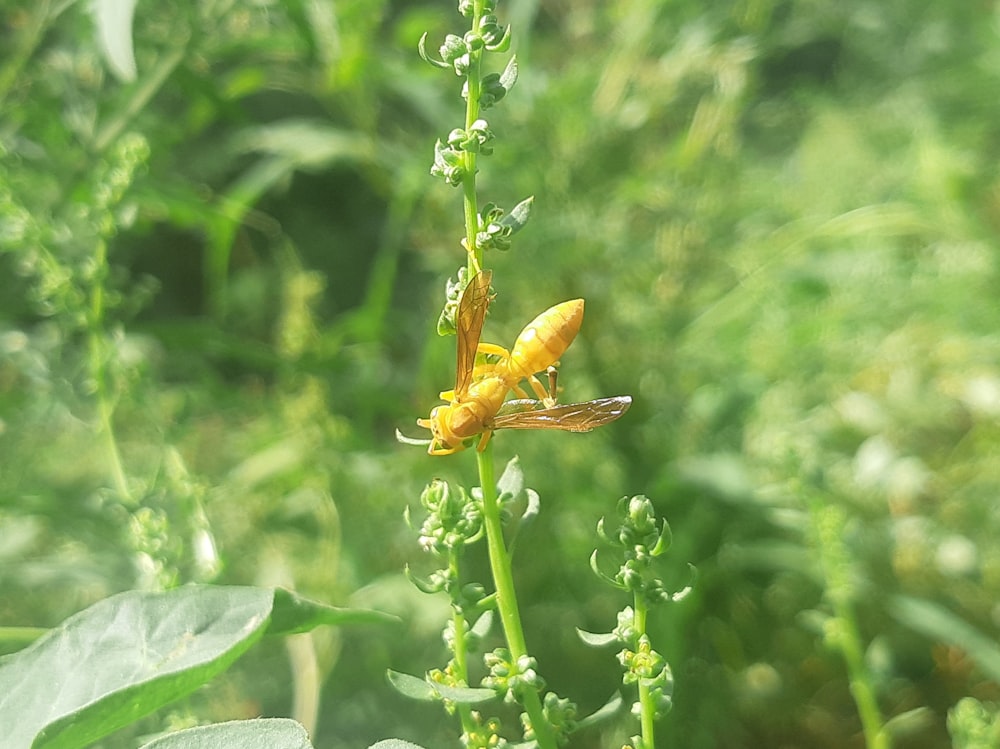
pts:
[476, 405]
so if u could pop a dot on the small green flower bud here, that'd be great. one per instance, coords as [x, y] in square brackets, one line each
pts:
[462, 65]
[453, 48]
[491, 31]
[630, 575]
[470, 598]
[561, 714]
[492, 90]
[509, 678]
[448, 163]
[646, 663]
[479, 137]
[485, 735]
[625, 631]
[473, 41]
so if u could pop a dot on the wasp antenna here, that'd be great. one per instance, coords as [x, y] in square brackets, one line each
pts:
[400, 437]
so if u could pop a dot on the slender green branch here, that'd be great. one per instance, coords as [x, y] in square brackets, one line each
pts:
[98, 365]
[647, 717]
[470, 200]
[849, 642]
[842, 630]
[507, 607]
[503, 578]
[460, 648]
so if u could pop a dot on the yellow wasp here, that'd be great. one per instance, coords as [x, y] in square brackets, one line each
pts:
[476, 405]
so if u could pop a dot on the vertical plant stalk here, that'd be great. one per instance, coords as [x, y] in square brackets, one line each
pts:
[98, 366]
[507, 607]
[460, 648]
[499, 555]
[647, 715]
[842, 630]
[859, 679]
[469, 198]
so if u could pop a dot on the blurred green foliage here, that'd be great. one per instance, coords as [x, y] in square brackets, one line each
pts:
[783, 217]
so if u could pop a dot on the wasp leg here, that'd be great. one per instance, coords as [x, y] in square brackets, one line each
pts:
[491, 349]
[432, 450]
[520, 392]
[488, 369]
[540, 391]
[547, 397]
[485, 439]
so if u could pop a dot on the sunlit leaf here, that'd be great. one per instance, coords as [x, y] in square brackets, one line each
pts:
[293, 614]
[121, 659]
[113, 19]
[420, 689]
[262, 733]
[132, 653]
[395, 744]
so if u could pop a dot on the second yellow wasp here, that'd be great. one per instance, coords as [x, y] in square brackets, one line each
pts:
[477, 404]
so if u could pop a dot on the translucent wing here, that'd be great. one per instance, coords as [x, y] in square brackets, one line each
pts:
[570, 417]
[469, 324]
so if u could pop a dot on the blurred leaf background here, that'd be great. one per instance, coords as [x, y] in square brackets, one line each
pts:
[783, 217]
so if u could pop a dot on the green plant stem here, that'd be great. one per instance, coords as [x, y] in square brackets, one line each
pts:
[829, 528]
[861, 687]
[510, 616]
[98, 371]
[460, 650]
[647, 713]
[470, 200]
[503, 579]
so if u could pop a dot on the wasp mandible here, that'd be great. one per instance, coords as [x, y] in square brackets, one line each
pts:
[477, 404]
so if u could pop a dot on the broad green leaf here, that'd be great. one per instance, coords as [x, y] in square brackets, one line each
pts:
[395, 744]
[113, 19]
[121, 659]
[262, 733]
[293, 614]
[132, 653]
